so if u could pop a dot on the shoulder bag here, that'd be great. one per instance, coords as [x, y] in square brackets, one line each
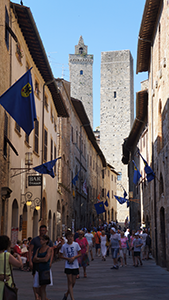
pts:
[10, 292]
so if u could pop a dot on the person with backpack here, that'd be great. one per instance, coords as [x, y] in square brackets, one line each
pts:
[97, 241]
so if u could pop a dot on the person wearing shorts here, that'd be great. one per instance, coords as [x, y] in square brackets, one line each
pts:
[115, 244]
[70, 251]
[90, 239]
[137, 243]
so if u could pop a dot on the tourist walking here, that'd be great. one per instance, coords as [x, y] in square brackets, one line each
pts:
[34, 245]
[123, 249]
[137, 243]
[103, 238]
[131, 247]
[97, 241]
[115, 244]
[10, 260]
[42, 259]
[70, 251]
[90, 239]
[83, 259]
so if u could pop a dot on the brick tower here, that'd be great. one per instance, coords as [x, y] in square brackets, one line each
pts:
[116, 113]
[81, 77]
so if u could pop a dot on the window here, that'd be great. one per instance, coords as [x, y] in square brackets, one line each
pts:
[55, 158]
[51, 150]
[159, 46]
[103, 193]
[81, 72]
[6, 28]
[80, 50]
[52, 116]
[76, 138]
[119, 176]
[102, 174]
[27, 138]
[37, 88]
[5, 133]
[46, 102]
[36, 144]
[17, 128]
[112, 194]
[115, 95]
[90, 161]
[159, 141]
[45, 144]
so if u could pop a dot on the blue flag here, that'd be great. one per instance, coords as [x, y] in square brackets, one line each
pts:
[75, 178]
[137, 174]
[47, 168]
[99, 208]
[120, 199]
[19, 102]
[108, 195]
[125, 194]
[147, 169]
[106, 203]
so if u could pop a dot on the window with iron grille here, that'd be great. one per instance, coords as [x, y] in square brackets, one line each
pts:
[5, 133]
[51, 150]
[36, 137]
[45, 144]
[6, 28]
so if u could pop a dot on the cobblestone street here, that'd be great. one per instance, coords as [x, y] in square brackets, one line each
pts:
[142, 283]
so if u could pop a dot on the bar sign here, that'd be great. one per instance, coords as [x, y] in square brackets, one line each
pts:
[35, 180]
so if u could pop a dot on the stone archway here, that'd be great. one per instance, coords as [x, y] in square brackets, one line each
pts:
[35, 223]
[44, 212]
[14, 229]
[24, 222]
[58, 218]
[54, 227]
[50, 224]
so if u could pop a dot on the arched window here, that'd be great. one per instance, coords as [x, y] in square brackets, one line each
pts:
[80, 50]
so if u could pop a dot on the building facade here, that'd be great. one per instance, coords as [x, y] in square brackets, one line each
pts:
[116, 113]
[81, 77]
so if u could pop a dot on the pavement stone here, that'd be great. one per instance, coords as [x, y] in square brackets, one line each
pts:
[143, 283]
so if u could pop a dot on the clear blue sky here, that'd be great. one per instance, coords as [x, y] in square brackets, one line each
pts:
[105, 26]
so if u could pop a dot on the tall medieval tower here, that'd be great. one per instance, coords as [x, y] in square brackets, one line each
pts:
[116, 113]
[81, 77]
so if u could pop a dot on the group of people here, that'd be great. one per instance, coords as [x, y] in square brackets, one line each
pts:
[74, 249]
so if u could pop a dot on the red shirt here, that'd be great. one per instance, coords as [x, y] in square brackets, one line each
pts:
[17, 249]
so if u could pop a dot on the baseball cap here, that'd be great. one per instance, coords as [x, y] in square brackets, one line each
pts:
[113, 229]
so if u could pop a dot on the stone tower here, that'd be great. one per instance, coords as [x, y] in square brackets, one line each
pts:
[81, 77]
[116, 113]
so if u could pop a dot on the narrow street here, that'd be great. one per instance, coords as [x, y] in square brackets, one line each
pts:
[142, 283]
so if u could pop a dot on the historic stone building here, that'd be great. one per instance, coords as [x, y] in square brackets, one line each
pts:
[117, 113]
[81, 77]
[153, 57]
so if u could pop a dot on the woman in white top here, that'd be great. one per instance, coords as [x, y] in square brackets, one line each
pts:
[70, 251]
[103, 238]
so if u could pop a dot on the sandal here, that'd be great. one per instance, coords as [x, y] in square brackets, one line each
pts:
[78, 276]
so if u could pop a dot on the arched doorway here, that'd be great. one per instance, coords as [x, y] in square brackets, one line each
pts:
[58, 219]
[14, 229]
[24, 223]
[162, 236]
[50, 224]
[54, 227]
[44, 212]
[35, 223]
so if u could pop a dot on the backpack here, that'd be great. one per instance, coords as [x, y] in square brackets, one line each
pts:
[148, 241]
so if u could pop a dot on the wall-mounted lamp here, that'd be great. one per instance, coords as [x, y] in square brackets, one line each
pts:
[33, 203]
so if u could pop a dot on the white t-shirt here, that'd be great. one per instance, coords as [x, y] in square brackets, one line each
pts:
[114, 240]
[89, 237]
[70, 251]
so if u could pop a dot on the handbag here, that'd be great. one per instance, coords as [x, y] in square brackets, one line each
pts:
[10, 292]
[44, 277]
